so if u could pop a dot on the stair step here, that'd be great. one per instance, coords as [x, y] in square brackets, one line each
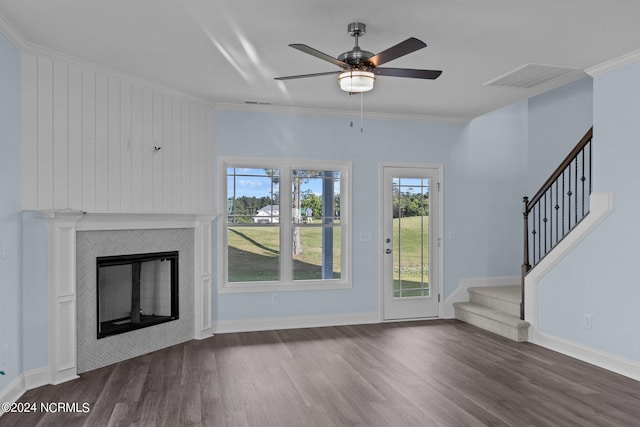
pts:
[498, 322]
[501, 298]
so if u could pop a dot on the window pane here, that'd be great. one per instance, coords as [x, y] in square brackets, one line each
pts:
[252, 195]
[320, 253]
[253, 253]
[411, 237]
[254, 230]
[315, 196]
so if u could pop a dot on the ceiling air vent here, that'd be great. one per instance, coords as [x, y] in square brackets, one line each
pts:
[531, 75]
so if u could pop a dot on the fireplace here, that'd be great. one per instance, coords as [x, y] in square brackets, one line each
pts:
[75, 240]
[143, 245]
[136, 291]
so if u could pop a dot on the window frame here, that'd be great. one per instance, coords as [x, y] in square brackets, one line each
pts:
[285, 224]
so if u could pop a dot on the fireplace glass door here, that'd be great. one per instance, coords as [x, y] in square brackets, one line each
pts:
[136, 291]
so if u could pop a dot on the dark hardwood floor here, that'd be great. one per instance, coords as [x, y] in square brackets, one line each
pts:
[440, 373]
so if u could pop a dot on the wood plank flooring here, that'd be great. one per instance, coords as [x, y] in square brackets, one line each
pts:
[432, 373]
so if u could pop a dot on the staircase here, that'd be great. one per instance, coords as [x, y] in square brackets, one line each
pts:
[495, 309]
[560, 204]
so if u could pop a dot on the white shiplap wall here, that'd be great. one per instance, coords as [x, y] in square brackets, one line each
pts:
[89, 138]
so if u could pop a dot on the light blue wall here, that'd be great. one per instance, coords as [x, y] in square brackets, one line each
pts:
[483, 189]
[557, 121]
[314, 137]
[10, 206]
[35, 312]
[600, 277]
[482, 184]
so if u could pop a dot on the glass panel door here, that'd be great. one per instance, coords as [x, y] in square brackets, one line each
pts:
[410, 249]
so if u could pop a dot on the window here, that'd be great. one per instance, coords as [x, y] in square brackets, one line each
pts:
[286, 225]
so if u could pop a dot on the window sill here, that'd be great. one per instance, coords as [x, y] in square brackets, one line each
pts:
[284, 287]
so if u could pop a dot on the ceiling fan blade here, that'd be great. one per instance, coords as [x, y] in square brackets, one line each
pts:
[313, 52]
[407, 72]
[302, 76]
[403, 48]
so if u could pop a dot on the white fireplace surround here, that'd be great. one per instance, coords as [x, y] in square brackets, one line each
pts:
[62, 228]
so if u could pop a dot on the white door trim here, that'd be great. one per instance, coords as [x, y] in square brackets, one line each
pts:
[440, 282]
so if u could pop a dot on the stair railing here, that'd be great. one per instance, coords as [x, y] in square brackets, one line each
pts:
[560, 204]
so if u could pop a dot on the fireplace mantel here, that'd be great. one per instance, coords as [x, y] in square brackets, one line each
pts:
[62, 228]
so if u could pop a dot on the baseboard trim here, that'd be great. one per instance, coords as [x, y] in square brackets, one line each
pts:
[27, 381]
[204, 334]
[461, 294]
[12, 392]
[269, 324]
[590, 355]
[37, 378]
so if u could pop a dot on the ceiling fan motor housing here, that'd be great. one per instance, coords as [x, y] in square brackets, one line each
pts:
[356, 56]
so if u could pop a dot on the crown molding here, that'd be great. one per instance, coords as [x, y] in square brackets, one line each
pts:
[11, 33]
[27, 47]
[112, 72]
[614, 64]
[252, 108]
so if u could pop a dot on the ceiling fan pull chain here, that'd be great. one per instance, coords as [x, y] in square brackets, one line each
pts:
[351, 110]
[361, 114]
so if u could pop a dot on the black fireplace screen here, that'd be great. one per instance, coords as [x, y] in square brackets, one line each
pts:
[136, 291]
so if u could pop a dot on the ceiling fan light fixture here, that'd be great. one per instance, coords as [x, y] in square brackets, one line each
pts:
[356, 81]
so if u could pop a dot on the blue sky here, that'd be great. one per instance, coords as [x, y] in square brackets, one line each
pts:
[256, 183]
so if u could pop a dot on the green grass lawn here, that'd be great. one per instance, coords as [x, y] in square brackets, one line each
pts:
[254, 255]
[410, 279]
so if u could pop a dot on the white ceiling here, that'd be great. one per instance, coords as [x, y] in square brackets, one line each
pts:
[230, 50]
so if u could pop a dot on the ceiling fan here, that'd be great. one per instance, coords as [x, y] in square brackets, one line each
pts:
[360, 67]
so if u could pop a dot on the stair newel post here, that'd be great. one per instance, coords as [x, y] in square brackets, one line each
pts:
[526, 266]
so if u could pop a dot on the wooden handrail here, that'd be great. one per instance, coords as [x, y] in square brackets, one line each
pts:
[556, 174]
[542, 212]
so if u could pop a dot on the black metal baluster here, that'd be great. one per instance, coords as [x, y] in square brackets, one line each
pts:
[533, 239]
[569, 193]
[563, 204]
[550, 214]
[557, 206]
[544, 220]
[539, 232]
[576, 193]
[583, 178]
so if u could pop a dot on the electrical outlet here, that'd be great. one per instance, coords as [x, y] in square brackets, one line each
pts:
[275, 299]
[587, 321]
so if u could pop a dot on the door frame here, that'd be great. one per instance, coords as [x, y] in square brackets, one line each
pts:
[440, 281]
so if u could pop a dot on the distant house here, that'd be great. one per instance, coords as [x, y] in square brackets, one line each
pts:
[267, 215]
